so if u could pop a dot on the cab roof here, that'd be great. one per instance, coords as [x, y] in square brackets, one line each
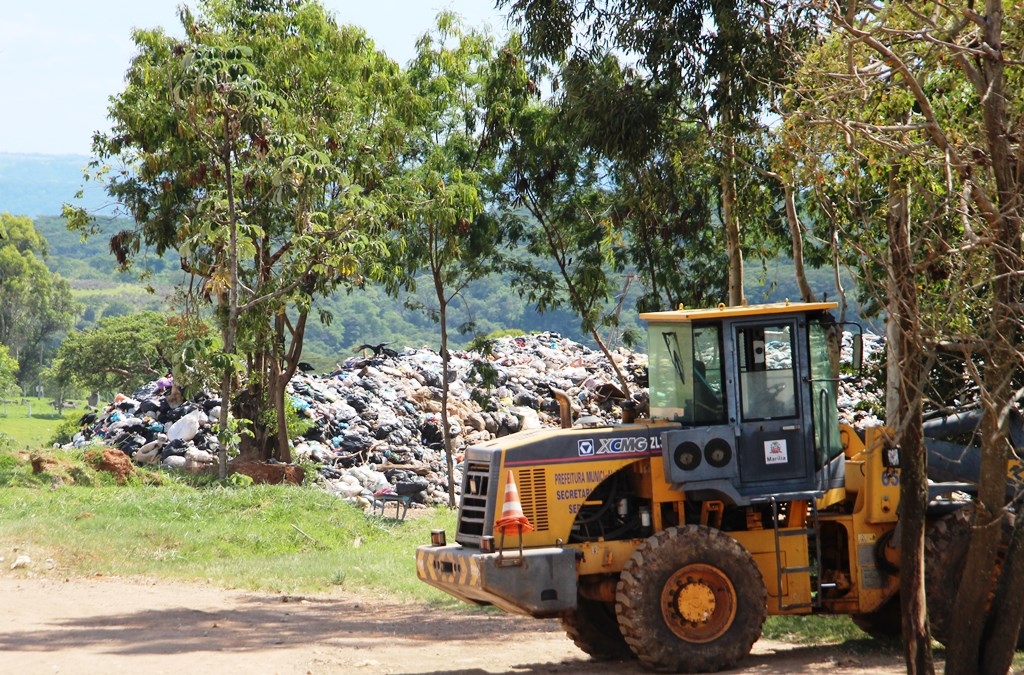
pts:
[725, 312]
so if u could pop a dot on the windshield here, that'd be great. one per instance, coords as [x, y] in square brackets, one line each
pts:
[686, 373]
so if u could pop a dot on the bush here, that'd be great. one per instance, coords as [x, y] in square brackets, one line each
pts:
[66, 430]
[482, 343]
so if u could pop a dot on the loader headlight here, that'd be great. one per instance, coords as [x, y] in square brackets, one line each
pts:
[687, 456]
[718, 452]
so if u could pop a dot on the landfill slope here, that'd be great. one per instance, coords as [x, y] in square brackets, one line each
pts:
[375, 420]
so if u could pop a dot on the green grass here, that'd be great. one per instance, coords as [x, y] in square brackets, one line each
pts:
[260, 537]
[826, 629]
[32, 422]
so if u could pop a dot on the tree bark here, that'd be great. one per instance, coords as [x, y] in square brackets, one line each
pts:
[796, 235]
[979, 648]
[904, 321]
[230, 327]
[446, 432]
[733, 241]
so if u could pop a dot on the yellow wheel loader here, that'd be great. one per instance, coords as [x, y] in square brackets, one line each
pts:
[671, 538]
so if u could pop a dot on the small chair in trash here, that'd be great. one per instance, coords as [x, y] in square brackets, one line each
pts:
[381, 498]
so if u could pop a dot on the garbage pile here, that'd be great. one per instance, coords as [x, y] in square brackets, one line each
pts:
[376, 419]
[859, 397]
[156, 426]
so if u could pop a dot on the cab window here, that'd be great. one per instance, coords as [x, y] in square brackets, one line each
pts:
[767, 379]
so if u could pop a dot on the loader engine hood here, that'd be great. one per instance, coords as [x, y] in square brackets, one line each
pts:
[555, 471]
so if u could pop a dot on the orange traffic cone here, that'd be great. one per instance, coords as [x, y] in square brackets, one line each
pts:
[512, 519]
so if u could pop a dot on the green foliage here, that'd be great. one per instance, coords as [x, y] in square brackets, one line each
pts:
[261, 144]
[8, 374]
[35, 305]
[296, 423]
[66, 430]
[119, 354]
[482, 343]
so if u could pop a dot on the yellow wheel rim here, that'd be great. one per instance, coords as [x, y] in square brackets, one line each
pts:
[698, 603]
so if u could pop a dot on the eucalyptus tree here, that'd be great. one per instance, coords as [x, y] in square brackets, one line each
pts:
[252, 148]
[559, 194]
[710, 62]
[924, 106]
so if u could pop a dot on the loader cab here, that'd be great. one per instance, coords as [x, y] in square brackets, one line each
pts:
[754, 392]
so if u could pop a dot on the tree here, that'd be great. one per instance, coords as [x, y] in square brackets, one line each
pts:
[252, 149]
[713, 62]
[441, 225]
[118, 354]
[943, 163]
[36, 306]
[8, 373]
[558, 181]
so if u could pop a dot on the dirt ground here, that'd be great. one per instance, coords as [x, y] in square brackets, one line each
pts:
[118, 625]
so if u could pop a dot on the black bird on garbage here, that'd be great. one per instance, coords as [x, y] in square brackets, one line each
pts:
[305, 367]
[379, 350]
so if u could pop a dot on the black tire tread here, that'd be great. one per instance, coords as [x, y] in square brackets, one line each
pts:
[638, 600]
[594, 628]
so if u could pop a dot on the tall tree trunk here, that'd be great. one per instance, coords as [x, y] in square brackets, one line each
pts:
[796, 235]
[1007, 608]
[230, 327]
[446, 431]
[904, 318]
[733, 242]
[283, 370]
[978, 647]
[836, 267]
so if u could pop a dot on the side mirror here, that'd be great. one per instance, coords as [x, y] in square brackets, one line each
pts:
[856, 345]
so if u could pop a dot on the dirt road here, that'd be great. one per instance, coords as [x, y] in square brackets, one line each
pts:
[114, 625]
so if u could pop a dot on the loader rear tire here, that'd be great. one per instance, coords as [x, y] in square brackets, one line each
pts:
[945, 550]
[945, 553]
[690, 599]
[594, 628]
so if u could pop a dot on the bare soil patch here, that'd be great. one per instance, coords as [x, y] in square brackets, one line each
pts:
[121, 625]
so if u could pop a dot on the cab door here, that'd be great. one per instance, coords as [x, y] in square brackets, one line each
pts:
[773, 443]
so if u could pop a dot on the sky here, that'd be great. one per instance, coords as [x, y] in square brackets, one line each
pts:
[61, 60]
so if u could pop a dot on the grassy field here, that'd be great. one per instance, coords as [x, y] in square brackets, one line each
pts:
[31, 423]
[259, 537]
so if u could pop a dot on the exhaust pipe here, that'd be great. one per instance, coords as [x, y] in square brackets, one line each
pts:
[564, 408]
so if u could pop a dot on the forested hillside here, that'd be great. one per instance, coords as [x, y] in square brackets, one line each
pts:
[40, 184]
[360, 315]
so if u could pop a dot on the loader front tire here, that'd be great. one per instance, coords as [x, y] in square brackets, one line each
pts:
[690, 599]
[884, 623]
[594, 628]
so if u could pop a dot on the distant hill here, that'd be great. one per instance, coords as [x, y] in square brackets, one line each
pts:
[39, 185]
